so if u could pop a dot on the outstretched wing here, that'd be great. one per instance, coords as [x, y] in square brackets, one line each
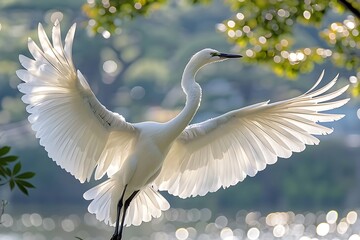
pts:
[76, 130]
[222, 151]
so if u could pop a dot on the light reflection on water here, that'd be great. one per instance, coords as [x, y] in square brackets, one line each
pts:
[181, 224]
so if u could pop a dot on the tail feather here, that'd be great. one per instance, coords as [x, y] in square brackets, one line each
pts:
[147, 204]
[101, 204]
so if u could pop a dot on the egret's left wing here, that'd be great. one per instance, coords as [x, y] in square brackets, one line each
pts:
[222, 151]
[77, 131]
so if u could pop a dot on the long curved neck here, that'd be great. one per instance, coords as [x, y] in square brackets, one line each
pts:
[192, 91]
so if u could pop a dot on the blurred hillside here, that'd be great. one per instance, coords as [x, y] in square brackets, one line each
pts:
[137, 74]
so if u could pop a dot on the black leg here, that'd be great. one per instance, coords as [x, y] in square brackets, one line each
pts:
[126, 205]
[119, 206]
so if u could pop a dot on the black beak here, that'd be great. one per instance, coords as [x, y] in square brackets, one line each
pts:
[227, 55]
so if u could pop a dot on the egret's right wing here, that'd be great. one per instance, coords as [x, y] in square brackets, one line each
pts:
[224, 150]
[76, 130]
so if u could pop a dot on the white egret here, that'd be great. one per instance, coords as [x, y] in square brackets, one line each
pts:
[140, 159]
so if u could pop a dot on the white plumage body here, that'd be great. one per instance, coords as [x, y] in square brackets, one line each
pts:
[83, 137]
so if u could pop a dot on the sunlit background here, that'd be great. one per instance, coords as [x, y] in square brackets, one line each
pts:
[191, 224]
[136, 72]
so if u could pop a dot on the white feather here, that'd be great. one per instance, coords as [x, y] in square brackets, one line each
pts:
[72, 125]
[147, 204]
[243, 142]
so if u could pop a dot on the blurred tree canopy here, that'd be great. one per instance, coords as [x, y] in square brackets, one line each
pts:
[265, 29]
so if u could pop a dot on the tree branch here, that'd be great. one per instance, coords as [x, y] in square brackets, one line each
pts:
[2, 208]
[351, 8]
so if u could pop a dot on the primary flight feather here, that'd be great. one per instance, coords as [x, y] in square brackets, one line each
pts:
[139, 159]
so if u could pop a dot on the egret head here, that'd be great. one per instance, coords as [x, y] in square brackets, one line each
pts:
[209, 55]
[202, 58]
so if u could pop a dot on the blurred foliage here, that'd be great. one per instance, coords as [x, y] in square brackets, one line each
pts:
[265, 29]
[345, 39]
[107, 15]
[11, 174]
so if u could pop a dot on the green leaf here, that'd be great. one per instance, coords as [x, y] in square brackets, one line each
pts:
[22, 188]
[3, 163]
[7, 171]
[4, 150]
[13, 177]
[24, 183]
[12, 184]
[8, 159]
[16, 169]
[2, 172]
[26, 175]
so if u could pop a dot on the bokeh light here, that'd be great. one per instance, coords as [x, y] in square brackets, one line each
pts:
[351, 217]
[48, 224]
[110, 66]
[226, 233]
[36, 219]
[342, 227]
[106, 34]
[181, 234]
[279, 231]
[221, 222]
[182, 224]
[322, 229]
[253, 233]
[68, 225]
[354, 237]
[353, 79]
[137, 92]
[331, 217]
[307, 14]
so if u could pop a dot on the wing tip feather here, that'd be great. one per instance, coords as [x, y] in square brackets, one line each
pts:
[57, 22]
[40, 28]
